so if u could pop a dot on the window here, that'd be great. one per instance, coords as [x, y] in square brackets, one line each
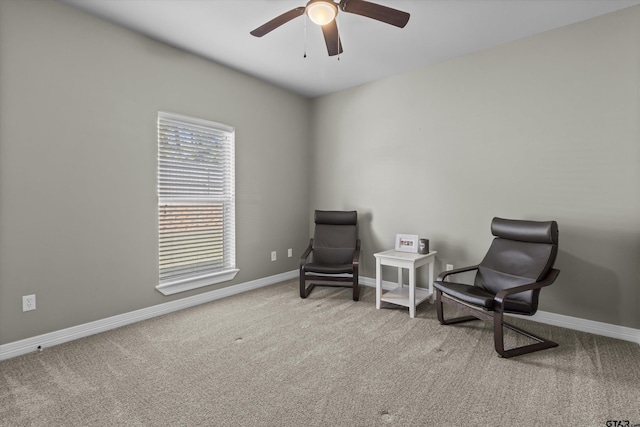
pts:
[196, 203]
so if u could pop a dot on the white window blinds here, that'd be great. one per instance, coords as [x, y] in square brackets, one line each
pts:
[196, 202]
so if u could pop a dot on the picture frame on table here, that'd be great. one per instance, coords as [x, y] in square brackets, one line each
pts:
[407, 243]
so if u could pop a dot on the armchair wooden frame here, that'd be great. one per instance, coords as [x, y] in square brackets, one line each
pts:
[497, 314]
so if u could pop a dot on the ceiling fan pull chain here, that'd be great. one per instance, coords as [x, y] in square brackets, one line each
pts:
[338, 30]
[305, 36]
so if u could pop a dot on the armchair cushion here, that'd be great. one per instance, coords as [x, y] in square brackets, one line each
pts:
[336, 217]
[335, 238]
[525, 231]
[522, 252]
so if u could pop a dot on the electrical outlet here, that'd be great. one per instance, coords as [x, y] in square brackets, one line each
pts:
[273, 256]
[289, 252]
[28, 302]
[449, 267]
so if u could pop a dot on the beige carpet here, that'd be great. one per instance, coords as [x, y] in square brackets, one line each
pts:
[268, 358]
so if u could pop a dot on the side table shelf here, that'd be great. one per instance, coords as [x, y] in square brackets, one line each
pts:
[400, 296]
[406, 296]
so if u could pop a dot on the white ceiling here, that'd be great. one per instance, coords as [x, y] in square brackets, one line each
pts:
[437, 30]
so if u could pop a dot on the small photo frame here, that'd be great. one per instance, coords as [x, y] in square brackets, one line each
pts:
[407, 243]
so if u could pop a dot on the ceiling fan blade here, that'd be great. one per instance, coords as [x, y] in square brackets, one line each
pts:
[376, 11]
[277, 21]
[332, 38]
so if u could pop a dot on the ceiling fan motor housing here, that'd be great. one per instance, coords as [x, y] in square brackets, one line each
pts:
[321, 12]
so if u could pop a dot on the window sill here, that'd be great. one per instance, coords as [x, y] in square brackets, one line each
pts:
[176, 286]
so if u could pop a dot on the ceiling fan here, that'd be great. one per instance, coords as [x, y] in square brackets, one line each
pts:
[323, 13]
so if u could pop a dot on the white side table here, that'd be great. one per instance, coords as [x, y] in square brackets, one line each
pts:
[402, 295]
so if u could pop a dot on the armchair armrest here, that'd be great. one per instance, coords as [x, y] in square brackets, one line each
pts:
[356, 254]
[502, 295]
[444, 274]
[305, 254]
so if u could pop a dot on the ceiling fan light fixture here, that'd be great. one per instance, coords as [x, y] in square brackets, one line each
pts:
[321, 12]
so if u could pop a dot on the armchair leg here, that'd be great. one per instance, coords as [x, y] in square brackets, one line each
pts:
[305, 290]
[440, 310]
[356, 288]
[498, 337]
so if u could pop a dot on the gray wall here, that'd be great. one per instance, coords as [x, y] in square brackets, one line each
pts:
[78, 107]
[546, 127]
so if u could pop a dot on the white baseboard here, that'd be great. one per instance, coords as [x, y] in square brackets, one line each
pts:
[43, 341]
[584, 325]
[575, 323]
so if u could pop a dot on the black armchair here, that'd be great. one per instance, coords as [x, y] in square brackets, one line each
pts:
[518, 264]
[333, 253]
